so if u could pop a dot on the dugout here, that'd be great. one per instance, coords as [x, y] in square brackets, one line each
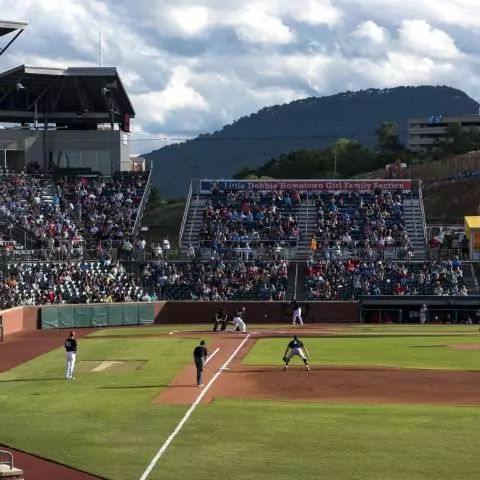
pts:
[406, 310]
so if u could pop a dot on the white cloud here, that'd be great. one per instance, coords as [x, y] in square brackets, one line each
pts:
[191, 20]
[420, 37]
[256, 27]
[369, 30]
[191, 66]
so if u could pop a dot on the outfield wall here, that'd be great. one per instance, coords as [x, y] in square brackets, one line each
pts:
[22, 319]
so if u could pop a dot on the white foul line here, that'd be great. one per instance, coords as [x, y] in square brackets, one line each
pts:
[212, 355]
[185, 418]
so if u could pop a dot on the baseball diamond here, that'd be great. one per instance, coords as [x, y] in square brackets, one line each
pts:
[259, 327]
[399, 372]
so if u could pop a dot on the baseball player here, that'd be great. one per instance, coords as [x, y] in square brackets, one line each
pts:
[71, 353]
[220, 318]
[296, 347]
[238, 320]
[200, 353]
[297, 312]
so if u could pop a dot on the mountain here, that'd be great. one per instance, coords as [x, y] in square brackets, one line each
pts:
[313, 122]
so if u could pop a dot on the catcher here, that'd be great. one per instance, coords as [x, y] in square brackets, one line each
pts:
[296, 347]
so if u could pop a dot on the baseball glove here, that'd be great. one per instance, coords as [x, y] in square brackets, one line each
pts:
[284, 358]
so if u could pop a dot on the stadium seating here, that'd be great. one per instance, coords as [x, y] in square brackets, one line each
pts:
[364, 224]
[221, 280]
[107, 281]
[246, 220]
[347, 280]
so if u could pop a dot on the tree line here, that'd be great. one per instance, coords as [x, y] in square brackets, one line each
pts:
[346, 158]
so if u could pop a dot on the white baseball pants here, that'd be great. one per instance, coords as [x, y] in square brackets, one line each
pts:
[296, 351]
[239, 323]
[297, 314]
[71, 356]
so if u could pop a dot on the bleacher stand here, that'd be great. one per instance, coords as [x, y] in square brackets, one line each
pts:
[219, 280]
[246, 221]
[347, 280]
[107, 207]
[365, 224]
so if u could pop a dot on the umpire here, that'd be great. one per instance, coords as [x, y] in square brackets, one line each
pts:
[200, 357]
[220, 318]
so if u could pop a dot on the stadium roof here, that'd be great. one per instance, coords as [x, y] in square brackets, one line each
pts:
[7, 27]
[63, 95]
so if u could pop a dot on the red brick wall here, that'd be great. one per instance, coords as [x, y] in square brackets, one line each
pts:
[19, 319]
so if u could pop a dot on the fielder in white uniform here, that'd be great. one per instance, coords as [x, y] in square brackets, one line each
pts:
[297, 312]
[71, 354]
[296, 347]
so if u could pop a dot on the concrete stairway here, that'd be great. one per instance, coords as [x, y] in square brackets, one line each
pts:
[415, 225]
[193, 223]
[307, 220]
[470, 278]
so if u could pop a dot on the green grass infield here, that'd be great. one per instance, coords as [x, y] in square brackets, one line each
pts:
[406, 351]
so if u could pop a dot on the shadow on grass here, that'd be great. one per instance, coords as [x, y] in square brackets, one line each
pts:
[147, 386]
[34, 380]
[429, 346]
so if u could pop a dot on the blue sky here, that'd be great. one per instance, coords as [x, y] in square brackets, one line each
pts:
[191, 66]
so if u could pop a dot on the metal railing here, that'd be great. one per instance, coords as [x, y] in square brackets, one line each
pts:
[185, 215]
[56, 255]
[422, 210]
[306, 233]
[395, 253]
[413, 215]
[9, 462]
[475, 281]
[18, 234]
[143, 204]
[296, 281]
[197, 200]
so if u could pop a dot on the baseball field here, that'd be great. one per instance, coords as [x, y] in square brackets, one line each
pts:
[380, 403]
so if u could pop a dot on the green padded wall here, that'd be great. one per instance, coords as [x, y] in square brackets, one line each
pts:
[114, 315]
[99, 316]
[130, 314]
[49, 316]
[145, 313]
[81, 316]
[66, 317]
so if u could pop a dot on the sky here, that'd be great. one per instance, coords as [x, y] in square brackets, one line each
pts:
[192, 66]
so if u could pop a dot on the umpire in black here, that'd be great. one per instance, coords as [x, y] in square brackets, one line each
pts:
[220, 318]
[200, 357]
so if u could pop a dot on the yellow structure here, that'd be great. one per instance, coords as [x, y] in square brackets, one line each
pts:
[472, 232]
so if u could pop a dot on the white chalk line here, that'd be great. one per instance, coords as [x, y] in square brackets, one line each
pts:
[212, 355]
[187, 415]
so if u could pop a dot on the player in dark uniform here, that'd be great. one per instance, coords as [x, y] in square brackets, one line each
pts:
[200, 353]
[220, 318]
[296, 347]
[71, 347]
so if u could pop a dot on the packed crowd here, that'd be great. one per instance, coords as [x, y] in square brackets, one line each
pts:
[75, 212]
[249, 219]
[108, 281]
[219, 280]
[107, 207]
[347, 280]
[365, 223]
